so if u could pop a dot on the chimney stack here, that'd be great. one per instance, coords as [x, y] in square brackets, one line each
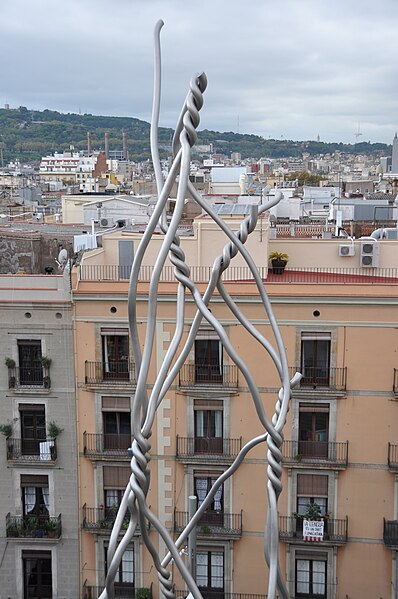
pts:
[125, 150]
[89, 152]
[106, 145]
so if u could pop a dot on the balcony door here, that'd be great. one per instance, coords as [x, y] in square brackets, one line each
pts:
[208, 361]
[33, 428]
[124, 578]
[311, 578]
[30, 367]
[312, 489]
[115, 354]
[37, 574]
[210, 573]
[313, 431]
[315, 359]
[208, 427]
[214, 515]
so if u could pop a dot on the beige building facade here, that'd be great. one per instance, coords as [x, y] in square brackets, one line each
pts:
[340, 451]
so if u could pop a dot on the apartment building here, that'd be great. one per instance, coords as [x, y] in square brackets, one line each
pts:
[338, 512]
[39, 548]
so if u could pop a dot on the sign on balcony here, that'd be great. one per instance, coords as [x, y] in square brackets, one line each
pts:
[313, 530]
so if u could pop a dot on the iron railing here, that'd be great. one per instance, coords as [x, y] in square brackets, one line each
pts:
[32, 450]
[317, 378]
[101, 518]
[38, 527]
[212, 523]
[29, 377]
[392, 458]
[335, 530]
[201, 274]
[110, 373]
[395, 381]
[315, 452]
[208, 447]
[123, 590]
[390, 532]
[105, 445]
[215, 594]
[223, 375]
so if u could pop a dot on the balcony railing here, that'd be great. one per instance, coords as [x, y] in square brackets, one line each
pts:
[315, 452]
[96, 519]
[31, 450]
[106, 445]
[390, 533]
[392, 458]
[395, 381]
[122, 591]
[31, 377]
[38, 527]
[217, 448]
[215, 594]
[110, 373]
[334, 379]
[212, 523]
[335, 530]
[223, 375]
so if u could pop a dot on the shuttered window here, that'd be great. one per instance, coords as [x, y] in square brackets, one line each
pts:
[116, 477]
[312, 485]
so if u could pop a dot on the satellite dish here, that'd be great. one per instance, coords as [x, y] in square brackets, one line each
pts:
[62, 258]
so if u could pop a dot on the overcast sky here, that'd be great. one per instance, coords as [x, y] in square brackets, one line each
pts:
[293, 69]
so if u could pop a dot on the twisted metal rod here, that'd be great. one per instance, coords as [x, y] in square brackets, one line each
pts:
[144, 408]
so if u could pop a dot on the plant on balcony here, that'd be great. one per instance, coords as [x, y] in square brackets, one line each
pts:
[10, 363]
[278, 261]
[313, 512]
[14, 529]
[31, 525]
[45, 361]
[205, 529]
[6, 429]
[143, 593]
[51, 528]
[53, 429]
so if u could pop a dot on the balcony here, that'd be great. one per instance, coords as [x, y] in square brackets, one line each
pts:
[209, 375]
[34, 377]
[321, 379]
[101, 519]
[107, 374]
[28, 451]
[212, 524]
[102, 446]
[392, 458]
[335, 531]
[38, 527]
[122, 591]
[315, 453]
[390, 533]
[207, 449]
[395, 382]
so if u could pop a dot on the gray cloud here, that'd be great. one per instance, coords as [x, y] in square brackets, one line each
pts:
[291, 69]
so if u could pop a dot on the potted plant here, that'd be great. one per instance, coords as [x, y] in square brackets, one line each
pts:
[53, 429]
[46, 363]
[278, 261]
[313, 512]
[6, 429]
[10, 363]
[31, 525]
[14, 529]
[52, 528]
[143, 593]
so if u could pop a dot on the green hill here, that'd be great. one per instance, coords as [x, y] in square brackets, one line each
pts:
[30, 134]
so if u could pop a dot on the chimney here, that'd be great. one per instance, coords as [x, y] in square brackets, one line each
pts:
[106, 145]
[125, 150]
[89, 152]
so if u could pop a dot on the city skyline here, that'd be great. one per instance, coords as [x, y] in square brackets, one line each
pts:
[296, 74]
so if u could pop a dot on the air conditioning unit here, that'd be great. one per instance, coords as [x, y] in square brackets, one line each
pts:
[106, 222]
[346, 249]
[370, 253]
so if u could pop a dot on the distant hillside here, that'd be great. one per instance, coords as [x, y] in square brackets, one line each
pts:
[29, 134]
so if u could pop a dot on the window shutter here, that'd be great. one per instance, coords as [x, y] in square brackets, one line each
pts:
[116, 477]
[116, 404]
[34, 480]
[312, 485]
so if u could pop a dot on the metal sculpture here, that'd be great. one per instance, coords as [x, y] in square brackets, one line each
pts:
[144, 407]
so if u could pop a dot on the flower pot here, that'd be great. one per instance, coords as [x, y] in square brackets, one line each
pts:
[278, 266]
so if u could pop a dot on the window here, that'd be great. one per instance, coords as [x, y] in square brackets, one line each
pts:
[210, 573]
[312, 488]
[315, 359]
[125, 574]
[311, 578]
[33, 429]
[208, 426]
[35, 495]
[30, 368]
[37, 574]
[313, 430]
[116, 423]
[214, 514]
[208, 361]
[115, 353]
[115, 482]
